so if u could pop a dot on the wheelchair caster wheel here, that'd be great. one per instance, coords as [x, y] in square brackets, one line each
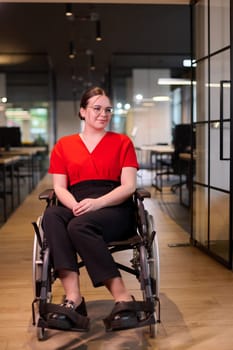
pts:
[153, 330]
[41, 334]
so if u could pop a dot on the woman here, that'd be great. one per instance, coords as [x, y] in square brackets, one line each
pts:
[94, 177]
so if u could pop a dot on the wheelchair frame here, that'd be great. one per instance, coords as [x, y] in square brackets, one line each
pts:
[145, 264]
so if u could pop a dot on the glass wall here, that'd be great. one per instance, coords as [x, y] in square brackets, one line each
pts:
[33, 123]
[211, 195]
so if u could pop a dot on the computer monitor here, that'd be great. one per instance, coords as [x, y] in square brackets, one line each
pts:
[10, 137]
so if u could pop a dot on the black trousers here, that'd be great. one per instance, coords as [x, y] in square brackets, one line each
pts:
[88, 234]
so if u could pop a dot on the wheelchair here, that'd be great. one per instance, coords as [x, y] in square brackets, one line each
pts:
[144, 265]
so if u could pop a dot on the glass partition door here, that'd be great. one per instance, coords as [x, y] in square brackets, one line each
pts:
[211, 196]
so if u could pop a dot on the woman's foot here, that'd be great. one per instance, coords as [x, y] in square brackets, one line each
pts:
[80, 309]
[70, 317]
[129, 314]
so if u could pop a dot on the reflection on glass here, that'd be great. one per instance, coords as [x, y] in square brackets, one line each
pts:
[201, 27]
[219, 169]
[202, 91]
[219, 72]
[219, 223]
[219, 34]
[200, 214]
[202, 153]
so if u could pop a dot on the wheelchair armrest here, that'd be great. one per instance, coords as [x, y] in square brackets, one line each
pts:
[48, 195]
[142, 193]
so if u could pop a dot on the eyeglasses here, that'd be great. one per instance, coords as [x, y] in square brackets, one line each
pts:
[99, 109]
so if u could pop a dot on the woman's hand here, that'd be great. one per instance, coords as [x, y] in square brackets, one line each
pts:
[86, 205]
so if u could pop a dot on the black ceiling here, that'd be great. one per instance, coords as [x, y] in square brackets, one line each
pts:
[37, 36]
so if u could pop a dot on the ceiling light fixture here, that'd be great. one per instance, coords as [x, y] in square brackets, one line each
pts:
[4, 99]
[217, 85]
[92, 62]
[161, 98]
[139, 97]
[93, 17]
[72, 53]
[173, 81]
[69, 12]
[189, 63]
[92, 58]
[98, 36]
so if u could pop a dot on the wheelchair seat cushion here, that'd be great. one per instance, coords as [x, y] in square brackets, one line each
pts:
[67, 317]
[130, 314]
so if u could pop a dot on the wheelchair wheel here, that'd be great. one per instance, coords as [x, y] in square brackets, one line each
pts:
[153, 258]
[45, 294]
[146, 287]
[41, 334]
[39, 267]
[42, 278]
[37, 264]
[154, 270]
[149, 271]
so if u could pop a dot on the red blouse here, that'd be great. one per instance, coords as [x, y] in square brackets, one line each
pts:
[71, 157]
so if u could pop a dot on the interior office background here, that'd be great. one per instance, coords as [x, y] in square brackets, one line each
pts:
[161, 32]
[143, 50]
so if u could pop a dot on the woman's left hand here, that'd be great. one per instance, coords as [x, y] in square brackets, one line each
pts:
[86, 205]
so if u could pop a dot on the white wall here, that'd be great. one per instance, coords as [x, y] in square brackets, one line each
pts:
[152, 119]
[67, 121]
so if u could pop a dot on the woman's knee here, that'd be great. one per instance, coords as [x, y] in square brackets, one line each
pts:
[75, 226]
[80, 228]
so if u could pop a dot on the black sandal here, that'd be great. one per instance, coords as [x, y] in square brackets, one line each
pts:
[130, 314]
[67, 317]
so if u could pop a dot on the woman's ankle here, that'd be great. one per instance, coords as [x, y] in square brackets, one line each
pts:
[77, 300]
[124, 297]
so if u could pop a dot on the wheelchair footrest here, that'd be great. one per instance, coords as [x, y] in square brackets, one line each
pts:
[73, 321]
[132, 314]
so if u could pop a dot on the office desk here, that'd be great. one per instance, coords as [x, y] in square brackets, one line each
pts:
[29, 156]
[159, 149]
[7, 163]
[157, 153]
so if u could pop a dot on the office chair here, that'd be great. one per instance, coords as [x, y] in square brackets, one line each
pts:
[182, 140]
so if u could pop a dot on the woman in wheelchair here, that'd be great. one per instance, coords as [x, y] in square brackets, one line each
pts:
[94, 177]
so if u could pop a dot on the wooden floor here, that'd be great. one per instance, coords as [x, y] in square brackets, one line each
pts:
[196, 292]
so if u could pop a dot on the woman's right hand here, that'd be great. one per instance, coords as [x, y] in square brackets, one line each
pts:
[86, 205]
